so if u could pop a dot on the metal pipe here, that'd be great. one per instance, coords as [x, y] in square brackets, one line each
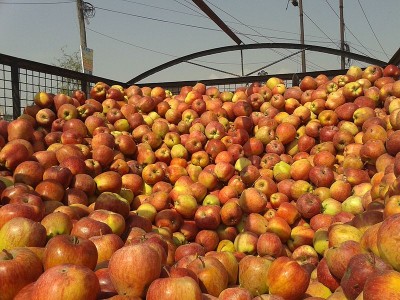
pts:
[303, 53]
[342, 27]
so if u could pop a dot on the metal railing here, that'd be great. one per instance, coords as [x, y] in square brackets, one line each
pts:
[21, 79]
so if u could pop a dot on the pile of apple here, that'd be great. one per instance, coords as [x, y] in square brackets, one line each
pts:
[266, 192]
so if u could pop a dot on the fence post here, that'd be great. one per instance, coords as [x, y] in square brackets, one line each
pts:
[16, 99]
[85, 87]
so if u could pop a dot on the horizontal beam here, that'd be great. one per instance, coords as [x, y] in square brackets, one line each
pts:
[213, 51]
[240, 80]
[395, 60]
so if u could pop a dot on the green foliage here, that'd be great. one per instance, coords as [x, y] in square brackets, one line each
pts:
[69, 61]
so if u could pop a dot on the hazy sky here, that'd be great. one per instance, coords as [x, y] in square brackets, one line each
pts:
[129, 37]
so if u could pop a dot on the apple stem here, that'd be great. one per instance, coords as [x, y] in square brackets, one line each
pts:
[166, 270]
[8, 254]
[202, 261]
[75, 240]
[254, 183]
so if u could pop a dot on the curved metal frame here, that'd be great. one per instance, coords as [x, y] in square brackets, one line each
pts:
[256, 46]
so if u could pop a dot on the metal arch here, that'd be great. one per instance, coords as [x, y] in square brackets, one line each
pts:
[314, 48]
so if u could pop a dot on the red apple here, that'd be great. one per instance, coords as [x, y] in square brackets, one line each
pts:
[23, 262]
[286, 278]
[67, 281]
[140, 257]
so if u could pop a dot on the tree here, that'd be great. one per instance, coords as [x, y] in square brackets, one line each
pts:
[69, 61]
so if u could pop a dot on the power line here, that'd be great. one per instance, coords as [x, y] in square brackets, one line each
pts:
[276, 51]
[348, 29]
[319, 28]
[155, 51]
[130, 44]
[174, 56]
[155, 19]
[37, 3]
[372, 29]
[163, 53]
[164, 8]
[197, 15]
[188, 7]
[182, 24]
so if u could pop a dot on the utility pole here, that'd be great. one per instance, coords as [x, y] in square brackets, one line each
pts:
[342, 27]
[81, 19]
[303, 53]
[299, 3]
[85, 10]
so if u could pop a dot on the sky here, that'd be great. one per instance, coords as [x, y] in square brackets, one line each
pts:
[130, 37]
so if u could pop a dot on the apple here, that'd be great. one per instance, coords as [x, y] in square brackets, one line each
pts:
[11, 155]
[252, 274]
[352, 90]
[345, 251]
[360, 268]
[22, 232]
[246, 242]
[212, 275]
[355, 71]
[43, 99]
[309, 205]
[108, 181]
[252, 201]
[286, 278]
[372, 73]
[69, 249]
[235, 293]
[169, 218]
[308, 83]
[141, 257]
[186, 205]
[106, 245]
[29, 172]
[114, 220]
[208, 217]
[382, 285]
[87, 227]
[174, 288]
[67, 281]
[57, 223]
[325, 276]
[385, 243]
[269, 244]
[19, 260]
[255, 223]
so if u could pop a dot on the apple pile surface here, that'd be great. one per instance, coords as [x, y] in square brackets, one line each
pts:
[265, 192]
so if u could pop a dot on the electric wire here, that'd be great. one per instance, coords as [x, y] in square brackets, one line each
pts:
[319, 28]
[244, 34]
[276, 51]
[226, 21]
[366, 18]
[155, 19]
[353, 35]
[188, 25]
[130, 44]
[159, 52]
[163, 53]
[165, 9]
[328, 39]
[37, 3]
[188, 7]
